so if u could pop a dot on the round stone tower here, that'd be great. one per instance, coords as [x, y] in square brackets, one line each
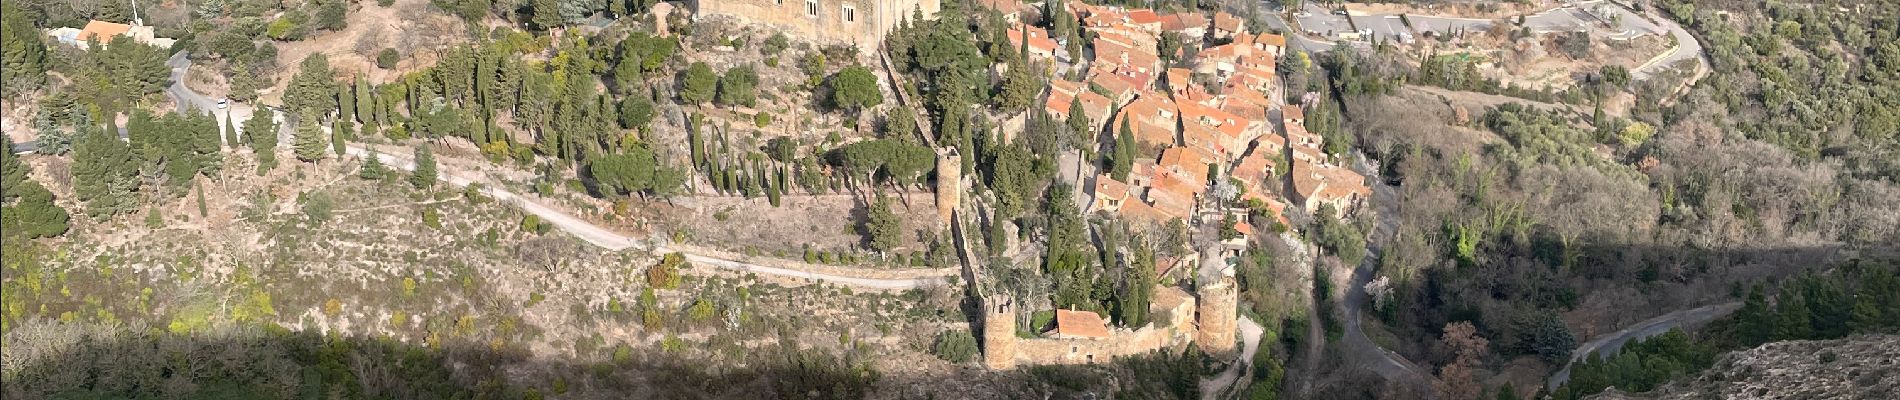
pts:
[1217, 315]
[949, 184]
[999, 333]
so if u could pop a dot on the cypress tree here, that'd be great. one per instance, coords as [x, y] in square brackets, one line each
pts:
[230, 131]
[260, 132]
[425, 174]
[1122, 158]
[201, 197]
[365, 101]
[338, 129]
[346, 102]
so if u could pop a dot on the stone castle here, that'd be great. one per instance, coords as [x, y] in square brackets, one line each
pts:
[1177, 318]
[859, 22]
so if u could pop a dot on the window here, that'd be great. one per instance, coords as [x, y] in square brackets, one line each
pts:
[811, 8]
[850, 13]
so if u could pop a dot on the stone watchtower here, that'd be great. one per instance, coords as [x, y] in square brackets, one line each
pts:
[949, 184]
[999, 333]
[1218, 313]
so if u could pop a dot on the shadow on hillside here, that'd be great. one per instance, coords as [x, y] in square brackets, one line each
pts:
[51, 360]
[68, 361]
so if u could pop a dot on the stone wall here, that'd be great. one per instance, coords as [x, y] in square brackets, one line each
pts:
[823, 20]
[1120, 343]
[1171, 327]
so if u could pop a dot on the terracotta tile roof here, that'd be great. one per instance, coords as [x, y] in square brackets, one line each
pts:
[1232, 129]
[1039, 42]
[1005, 6]
[1179, 78]
[1144, 17]
[1204, 141]
[1306, 181]
[1183, 21]
[1227, 22]
[1256, 166]
[1268, 39]
[1293, 113]
[1080, 324]
[1136, 210]
[1183, 162]
[1341, 184]
[103, 31]
[1168, 297]
[1066, 86]
[1096, 106]
[1106, 186]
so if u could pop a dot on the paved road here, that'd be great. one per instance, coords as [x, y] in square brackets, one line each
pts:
[1357, 348]
[1609, 344]
[1686, 47]
[1213, 388]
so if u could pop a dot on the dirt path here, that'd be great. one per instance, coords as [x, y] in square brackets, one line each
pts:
[607, 239]
[1214, 388]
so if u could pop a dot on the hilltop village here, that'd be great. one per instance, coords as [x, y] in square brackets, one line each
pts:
[914, 199]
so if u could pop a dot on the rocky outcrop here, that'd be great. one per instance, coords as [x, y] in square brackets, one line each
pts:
[1860, 367]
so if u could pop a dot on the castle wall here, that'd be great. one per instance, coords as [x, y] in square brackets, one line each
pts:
[824, 20]
[1120, 343]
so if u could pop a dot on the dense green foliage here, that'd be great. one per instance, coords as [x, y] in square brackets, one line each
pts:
[956, 346]
[1859, 297]
[26, 208]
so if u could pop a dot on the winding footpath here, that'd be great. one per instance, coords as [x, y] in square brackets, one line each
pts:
[1216, 387]
[189, 100]
[610, 240]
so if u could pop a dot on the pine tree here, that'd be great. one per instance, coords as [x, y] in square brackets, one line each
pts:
[373, 168]
[309, 141]
[425, 174]
[1755, 321]
[104, 173]
[35, 215]
[313, 89]
[1792, 323]
[12, 171]
[882, 228]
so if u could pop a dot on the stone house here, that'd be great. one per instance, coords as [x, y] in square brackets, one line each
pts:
[860, 22]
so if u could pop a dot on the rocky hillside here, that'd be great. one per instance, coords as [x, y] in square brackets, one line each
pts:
[1859, 367]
